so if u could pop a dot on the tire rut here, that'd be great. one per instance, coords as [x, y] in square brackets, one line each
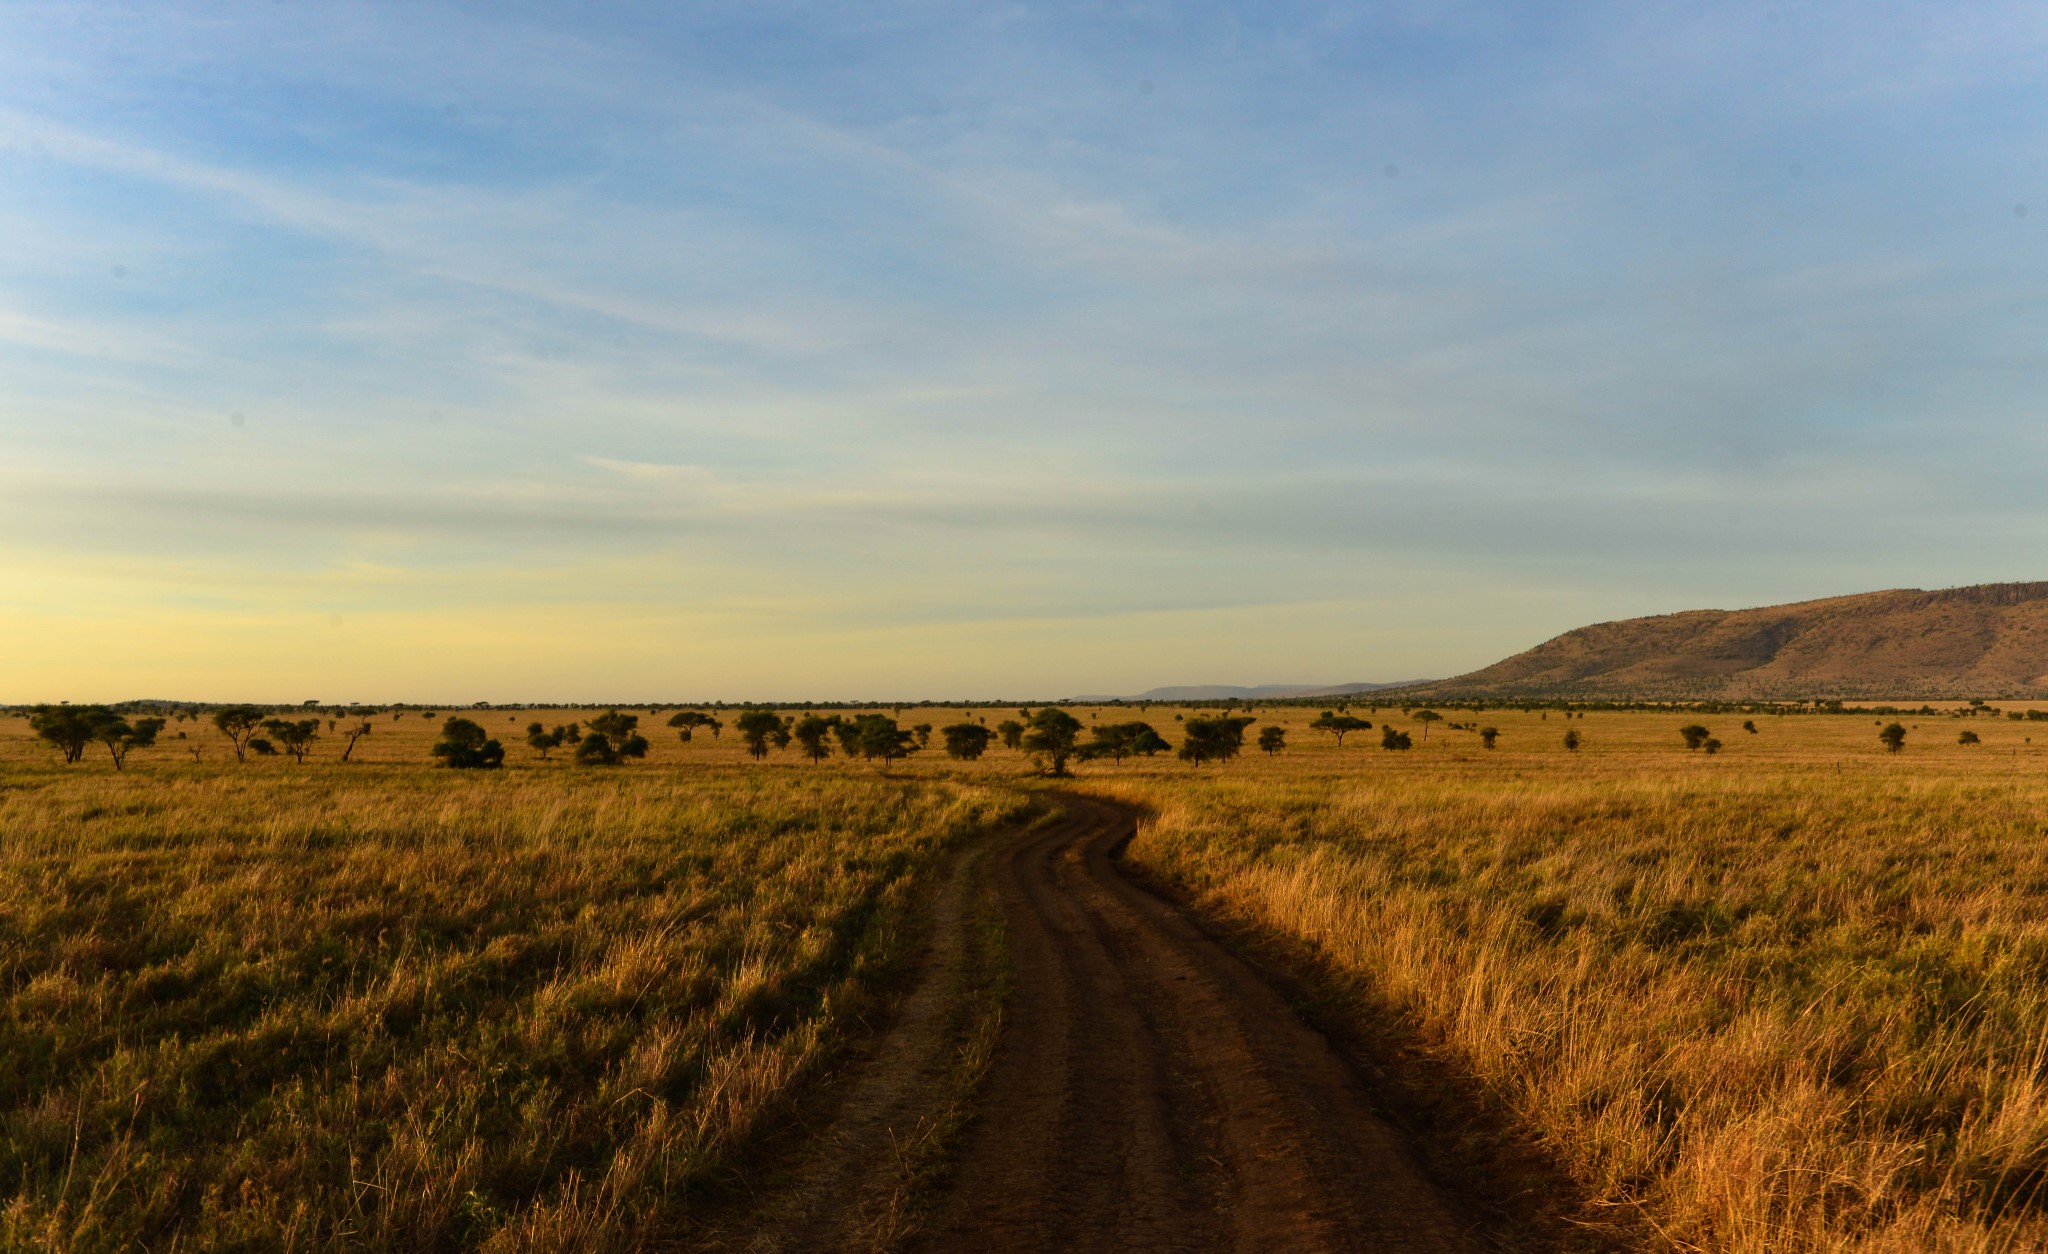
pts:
[1151, 1092]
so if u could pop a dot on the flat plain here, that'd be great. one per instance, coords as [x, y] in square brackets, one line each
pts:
[1786, 996]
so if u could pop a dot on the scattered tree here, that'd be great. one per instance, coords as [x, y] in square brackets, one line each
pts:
[1339, 725]
[467, 746]
[1426, 717]
[812, 736]
[120, 736]
[544, 741]
[68, 727]
[877, 736]
[1571, 740]
[1710, 745]
[689, 721]
[1694, 734]
[1487, 735]
[1012, 733]
[621, 738]
[762, 729]
[1893, 736]
[1121, 740]
[1395, 740]
[966, 741]
[354, 734]
[239, 723]
[295, 735]
[1050, 736]
[1749, 725]
[1968, 737]
[262, 748]
[1272, 739]
[923, 732]
[1213, 739]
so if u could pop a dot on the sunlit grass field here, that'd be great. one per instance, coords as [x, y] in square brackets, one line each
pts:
[1784, 997]
[276, 1006]
[1787, 997]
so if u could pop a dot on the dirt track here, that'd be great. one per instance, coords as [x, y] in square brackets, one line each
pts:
[1152, 1093]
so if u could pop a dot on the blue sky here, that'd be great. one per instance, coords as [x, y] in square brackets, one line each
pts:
[540, 351]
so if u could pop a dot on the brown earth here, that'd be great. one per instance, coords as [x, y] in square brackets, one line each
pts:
[1988, 640]
[1150, 1090]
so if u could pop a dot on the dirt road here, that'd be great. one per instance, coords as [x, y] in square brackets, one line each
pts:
[1151, 1092]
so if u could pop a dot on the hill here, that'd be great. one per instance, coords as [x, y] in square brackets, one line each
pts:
[1987, 640]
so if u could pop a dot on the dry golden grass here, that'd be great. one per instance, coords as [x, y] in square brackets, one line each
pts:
[396, 1008]
[1787, 997]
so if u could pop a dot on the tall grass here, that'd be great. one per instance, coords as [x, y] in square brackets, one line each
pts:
[425, 1009]
[1761, 1008]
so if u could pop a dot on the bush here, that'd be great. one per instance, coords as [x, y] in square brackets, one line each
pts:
[466, 746]
[966, 741]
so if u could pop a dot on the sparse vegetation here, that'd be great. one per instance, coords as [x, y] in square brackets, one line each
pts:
[465, 745]
[1049, 734]
[966, 741]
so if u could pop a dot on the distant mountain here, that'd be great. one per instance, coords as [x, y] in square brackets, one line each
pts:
[1261, 692]
[1988, 640]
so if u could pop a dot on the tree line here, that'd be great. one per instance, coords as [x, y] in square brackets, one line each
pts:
[1049, 734]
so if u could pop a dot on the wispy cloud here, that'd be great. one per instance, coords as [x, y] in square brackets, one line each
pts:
[923, 317]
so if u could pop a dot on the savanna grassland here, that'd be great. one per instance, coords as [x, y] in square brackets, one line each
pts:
[383, 1006]
[1789, 996]
[1786, 996]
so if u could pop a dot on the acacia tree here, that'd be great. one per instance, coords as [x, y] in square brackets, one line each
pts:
[67, 727]
[1012, 733]
[466, 746]
[966, 741]
[689, 721]
[1695, 735]
[1395, 740]
[612, 740]
[1426, 717]
[353, 734]
[295, 735]
[760, 728]
[1893, 736]
[1571, 740]
[1339, 725]
[120, 736]
[1212, 739]
[543, 741]
[239, 723]
[1272, 739]
[812, 734]
[1050, 735]
[1487, 735]
[1121, 740]
[877, 736]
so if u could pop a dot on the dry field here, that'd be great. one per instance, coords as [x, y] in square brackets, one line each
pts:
[1786, 997]
[392, 1007]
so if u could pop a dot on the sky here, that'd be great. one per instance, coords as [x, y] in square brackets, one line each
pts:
[721, 351]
